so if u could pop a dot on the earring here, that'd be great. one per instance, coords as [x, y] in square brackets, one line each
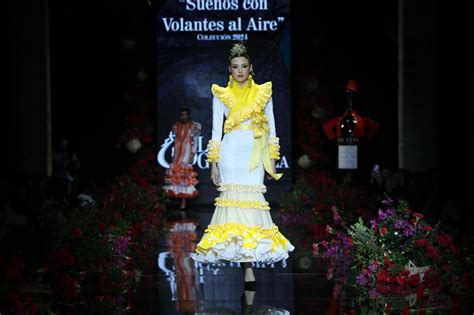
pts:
[231, 81]
[250, 80]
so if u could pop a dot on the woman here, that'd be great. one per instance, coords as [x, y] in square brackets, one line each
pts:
[181, 178]
[241, 229]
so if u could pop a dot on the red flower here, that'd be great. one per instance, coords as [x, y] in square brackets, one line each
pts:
[428, 228]
[388, 307]
[406, 310]
[456, 251]
[387, 262]
[446, 267]
[421, 242]
[383, 230]
[401, 280]
[382, 276]
[444, 239]
[418, 215]
[389, 279]
[432, 252]
[350, 240]
[77, 233]
[384, 289]
[431, 279]
[420, 293]
[414, 280]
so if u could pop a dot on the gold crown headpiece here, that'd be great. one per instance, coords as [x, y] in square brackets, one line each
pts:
[238, 49]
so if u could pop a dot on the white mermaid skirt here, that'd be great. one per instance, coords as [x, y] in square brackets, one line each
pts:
[241, 228]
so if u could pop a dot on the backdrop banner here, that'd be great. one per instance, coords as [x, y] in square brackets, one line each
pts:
[193, 42]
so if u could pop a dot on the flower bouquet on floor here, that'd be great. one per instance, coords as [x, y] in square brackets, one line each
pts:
[402, 263]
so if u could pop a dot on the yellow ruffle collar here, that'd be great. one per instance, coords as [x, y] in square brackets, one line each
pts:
[244, 103]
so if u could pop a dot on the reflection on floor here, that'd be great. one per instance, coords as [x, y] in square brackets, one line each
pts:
[197, 288]
[179, 285]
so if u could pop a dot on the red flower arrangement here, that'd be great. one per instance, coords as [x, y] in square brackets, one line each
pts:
[92, 264]
[317, 199]
[401, 263]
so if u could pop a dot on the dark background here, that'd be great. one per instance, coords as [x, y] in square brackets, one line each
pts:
[333, 41]
[337, 41]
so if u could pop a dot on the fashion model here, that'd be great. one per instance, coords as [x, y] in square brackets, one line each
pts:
[242, 229]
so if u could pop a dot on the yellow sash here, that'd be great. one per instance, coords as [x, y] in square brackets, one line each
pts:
[260, 150]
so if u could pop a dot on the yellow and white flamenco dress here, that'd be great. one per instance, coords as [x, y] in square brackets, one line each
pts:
[241, 228]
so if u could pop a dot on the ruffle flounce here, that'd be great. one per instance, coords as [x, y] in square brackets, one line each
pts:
[175, 191]
[241, 200]
[242, 243]
[181, 175]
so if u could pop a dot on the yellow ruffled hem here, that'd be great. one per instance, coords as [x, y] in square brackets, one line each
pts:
[240, 242]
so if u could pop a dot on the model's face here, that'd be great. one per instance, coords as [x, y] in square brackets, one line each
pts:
[184, 116]
[240, 69]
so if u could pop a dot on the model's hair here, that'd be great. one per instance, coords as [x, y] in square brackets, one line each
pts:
[185, 109]
[239, 50]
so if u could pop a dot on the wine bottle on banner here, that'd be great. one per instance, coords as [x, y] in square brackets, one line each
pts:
[347, 141]
[348, 122]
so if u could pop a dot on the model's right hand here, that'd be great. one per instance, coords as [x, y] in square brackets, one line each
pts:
[215, 175]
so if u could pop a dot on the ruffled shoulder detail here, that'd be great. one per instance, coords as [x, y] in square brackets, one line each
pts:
[254, 110]
[223, 94]
[266, 88]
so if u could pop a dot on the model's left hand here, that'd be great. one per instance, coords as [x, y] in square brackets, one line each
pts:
[269, 177]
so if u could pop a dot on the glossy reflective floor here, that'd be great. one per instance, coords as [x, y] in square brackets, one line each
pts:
[176, 284]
